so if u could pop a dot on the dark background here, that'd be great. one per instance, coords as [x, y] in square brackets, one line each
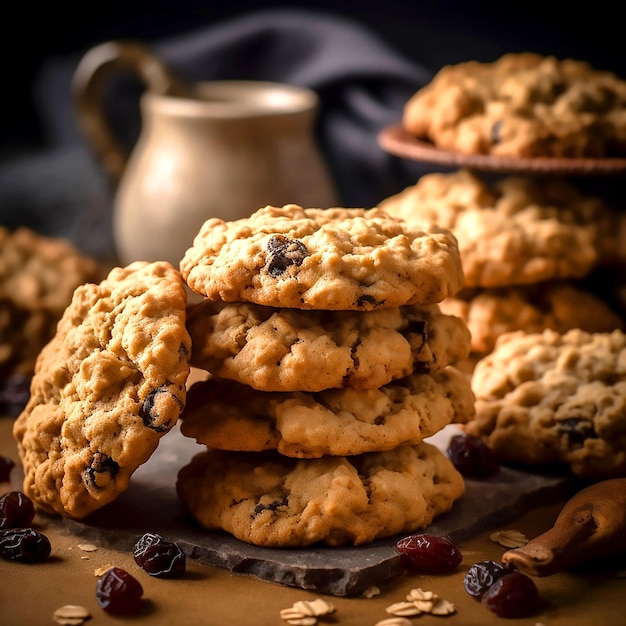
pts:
[429, 33]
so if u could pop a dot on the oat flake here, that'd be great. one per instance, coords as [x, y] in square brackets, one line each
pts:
[71, 615]
[370, 592]
[87, 547]
[394, 621]
[509, 538]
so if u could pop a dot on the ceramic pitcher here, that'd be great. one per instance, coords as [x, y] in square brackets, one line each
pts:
[215, 149]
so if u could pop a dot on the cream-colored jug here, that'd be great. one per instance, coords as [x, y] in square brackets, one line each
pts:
[215, 149]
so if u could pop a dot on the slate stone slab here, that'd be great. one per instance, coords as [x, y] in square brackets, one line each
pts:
[151, 505]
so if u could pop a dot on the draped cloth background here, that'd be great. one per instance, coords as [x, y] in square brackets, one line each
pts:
[361, 81]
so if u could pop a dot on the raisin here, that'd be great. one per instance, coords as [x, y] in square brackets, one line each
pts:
[24, 544]
[14, 394]
[183, 352]
[150, 413]
[418, 327]
[481, 576]
[283, 253]
[159, 557]
[430, 554]
[6, 465]
[118, 592]
[577, 430]
[512, 595]
[272, 506]
[101, 464]
[367, 301]
[16, 510]
[472, 456]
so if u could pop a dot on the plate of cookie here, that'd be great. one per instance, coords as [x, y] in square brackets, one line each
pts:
[522, 113]
[396, 140]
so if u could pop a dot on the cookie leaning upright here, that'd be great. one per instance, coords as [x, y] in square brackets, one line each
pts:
[106, 388]
[331, 259]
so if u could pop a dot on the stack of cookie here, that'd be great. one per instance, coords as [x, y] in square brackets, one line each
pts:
[526, 246]
[330, 363]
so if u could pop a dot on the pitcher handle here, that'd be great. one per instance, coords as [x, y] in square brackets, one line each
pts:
[89, 79]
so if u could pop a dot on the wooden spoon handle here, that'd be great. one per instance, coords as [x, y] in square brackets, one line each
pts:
[591, 525]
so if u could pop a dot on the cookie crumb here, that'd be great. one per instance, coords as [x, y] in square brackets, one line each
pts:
[102, 570]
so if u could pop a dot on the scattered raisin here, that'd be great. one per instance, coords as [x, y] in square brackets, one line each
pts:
[472, 456]
[14, 394]
[6, 465]
[24, 544]
[512, 595]
[481, 576]
[117, 592]
[16, 510]
[430, 554]
[159, 557]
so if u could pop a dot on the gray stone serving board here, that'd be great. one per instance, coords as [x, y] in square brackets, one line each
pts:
[150, 505]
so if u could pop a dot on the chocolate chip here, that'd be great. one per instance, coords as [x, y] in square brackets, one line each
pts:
[150, 413]
[283, 253]
[101, 465]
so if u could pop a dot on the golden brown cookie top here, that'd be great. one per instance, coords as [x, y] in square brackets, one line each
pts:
[331, 259]
[106, 388]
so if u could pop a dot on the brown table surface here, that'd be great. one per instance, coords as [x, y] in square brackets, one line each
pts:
[208, 596]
